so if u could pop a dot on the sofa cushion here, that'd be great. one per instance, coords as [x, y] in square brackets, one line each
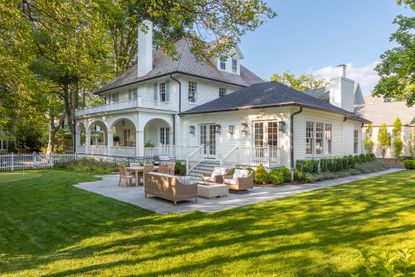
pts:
[240, 173]
[230, 181]
[218, 171]
[185, 180]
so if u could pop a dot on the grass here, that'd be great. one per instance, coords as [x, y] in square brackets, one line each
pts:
[48, 227]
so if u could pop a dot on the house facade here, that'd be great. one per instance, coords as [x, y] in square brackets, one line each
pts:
[214, 109]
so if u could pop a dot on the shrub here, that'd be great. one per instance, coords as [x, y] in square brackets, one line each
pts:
[370, 167]
[276, 176]
[386, 264]
[286, 173]
[409, 164]
[179, 169]
[89, 165]
[261, 175]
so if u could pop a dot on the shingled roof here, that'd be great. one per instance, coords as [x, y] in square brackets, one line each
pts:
[186, 64]
[268, 94]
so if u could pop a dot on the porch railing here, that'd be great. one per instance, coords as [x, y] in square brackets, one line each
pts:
[180, 152]
[136, 103]
[123, 151]
[252, 156]
[194, 158]
[98, 149]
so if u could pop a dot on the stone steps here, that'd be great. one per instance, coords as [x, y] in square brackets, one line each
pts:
[205, 167]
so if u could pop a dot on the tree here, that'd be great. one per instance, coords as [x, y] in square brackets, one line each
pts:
[301, 82]
[397, 138]
[396, 69]
[384, 139]
[411, 142]
[368, 139]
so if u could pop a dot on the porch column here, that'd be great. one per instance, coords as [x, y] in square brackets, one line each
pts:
[139, 143]
[110, 140]
[88, 140]
[77, 139]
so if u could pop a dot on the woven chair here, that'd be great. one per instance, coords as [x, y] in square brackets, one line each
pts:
[171, 168]
[148, 168]
[125, 176]
[164, 168]
[241, 180]
[216, 176]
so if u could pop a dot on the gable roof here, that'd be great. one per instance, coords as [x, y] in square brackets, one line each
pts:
[186, 64]
[268, 94]
[387, 112]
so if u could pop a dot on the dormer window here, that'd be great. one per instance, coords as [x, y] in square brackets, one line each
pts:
[222, 64]
[234, 65]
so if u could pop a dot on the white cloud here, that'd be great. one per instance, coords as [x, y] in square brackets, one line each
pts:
[364, 75]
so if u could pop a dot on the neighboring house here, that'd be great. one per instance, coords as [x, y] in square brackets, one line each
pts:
[215, 109]
[380, 111]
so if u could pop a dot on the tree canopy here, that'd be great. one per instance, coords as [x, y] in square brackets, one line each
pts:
[397, 66]
[301, 82]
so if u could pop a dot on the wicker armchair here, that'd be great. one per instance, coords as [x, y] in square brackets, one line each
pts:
[241, 180]
[216, 176]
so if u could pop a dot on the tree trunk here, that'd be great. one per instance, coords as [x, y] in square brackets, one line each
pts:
[52, 132]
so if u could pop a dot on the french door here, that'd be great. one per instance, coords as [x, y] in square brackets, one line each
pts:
[265, 140]
[208, 139]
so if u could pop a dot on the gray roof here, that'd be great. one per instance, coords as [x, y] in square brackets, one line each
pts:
[319, 93]
[387, 112]
[186, 64]
[268, 94]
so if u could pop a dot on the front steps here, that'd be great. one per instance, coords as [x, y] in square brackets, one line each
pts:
[206, 166]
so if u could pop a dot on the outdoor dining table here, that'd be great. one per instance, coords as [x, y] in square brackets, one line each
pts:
[137, 169]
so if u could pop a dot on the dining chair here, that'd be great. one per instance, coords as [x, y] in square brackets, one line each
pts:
[125, 176]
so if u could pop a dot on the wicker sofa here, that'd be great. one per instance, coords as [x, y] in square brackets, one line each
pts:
[241, 180]
[172, 188]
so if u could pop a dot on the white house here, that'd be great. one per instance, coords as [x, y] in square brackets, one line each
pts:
[215, 110]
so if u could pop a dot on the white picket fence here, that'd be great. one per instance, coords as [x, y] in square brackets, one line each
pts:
[31, 161]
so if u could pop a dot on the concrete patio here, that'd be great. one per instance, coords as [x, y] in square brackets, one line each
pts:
[108, 187]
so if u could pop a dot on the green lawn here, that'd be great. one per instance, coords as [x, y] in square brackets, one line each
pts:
[48, 227]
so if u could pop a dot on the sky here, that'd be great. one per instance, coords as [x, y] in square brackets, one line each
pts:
[313, 36]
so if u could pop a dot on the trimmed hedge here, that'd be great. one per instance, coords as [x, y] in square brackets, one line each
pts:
[275, 176]
[304, 167]
[409, 164]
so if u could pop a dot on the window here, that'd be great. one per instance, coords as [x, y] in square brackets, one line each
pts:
[234, 65]
[355, 141]
[222, 65]
[222, 92]
[319, 138]
[162, 90]
[164, 135]
[132, 94]
[3, 144]
[192, 91]
[309, 137]
[114, 97]
[328, 137]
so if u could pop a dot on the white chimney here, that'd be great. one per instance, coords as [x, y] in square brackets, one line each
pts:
[342, 90]
[145, 48]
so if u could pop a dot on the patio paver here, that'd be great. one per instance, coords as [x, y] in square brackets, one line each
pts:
[108, 187]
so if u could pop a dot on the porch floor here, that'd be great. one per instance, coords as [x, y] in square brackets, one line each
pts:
[108, 187]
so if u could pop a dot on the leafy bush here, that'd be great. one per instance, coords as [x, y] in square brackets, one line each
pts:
[286, 173]
[276, 176]
[386, 264]
[370, 167]
[89, 165]
[409, 164]
[180, 169]
[261, 175]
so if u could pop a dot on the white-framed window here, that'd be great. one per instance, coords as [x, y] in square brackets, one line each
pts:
[132, 94]
[309, 138]
[222, 92]
[3, 144]
[319, 138]
[165, 135]
[192, 92]
[355, 141]
[222, 64]
[162, 91]
[328, 135]
[234, 65]
[114, 97]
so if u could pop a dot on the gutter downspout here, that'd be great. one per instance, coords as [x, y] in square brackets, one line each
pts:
[292, 135]
[180, 108]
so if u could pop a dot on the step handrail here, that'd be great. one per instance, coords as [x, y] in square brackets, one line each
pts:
[228, 154]
[197, 151]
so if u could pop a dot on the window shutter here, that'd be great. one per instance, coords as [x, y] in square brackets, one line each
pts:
[155, 92]
[167, 90]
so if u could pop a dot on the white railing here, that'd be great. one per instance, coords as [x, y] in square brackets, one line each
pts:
[194, 158]
[98, 149]
[29, 161]
[81, 148]
[252, 156]
[123, 151]
[179, 152]
[136, 103]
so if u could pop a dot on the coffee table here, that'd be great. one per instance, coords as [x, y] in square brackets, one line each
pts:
[210, 190]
